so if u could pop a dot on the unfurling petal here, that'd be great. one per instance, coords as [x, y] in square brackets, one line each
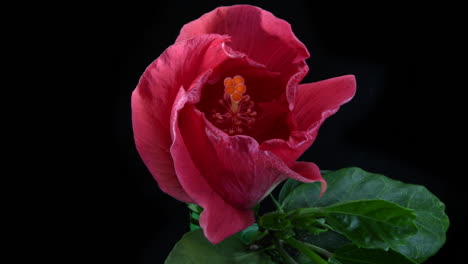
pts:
[309, 172]
[219, 219]
[313, 104]
[317, 101]
[154, 96]
[218, 170]
[255, 32]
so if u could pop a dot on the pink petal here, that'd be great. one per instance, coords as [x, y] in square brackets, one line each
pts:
[154, 96]
[273, 121]
[255, 32]
[309, 172]
[314, 103]
[153, 140]
[219, 219]
[232, 166]
[317, 101]
[226, 175]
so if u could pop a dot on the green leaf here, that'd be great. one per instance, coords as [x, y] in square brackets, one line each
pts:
[305, 250]
[311, 224]
[247, 235]
[372, 223]
[333, 261]
[195, 208]
[351, 254]
[194, 248]
[195, 211]
[288, 187]
[194, 227]
[356, 184]
[275, 221]
[330, 240]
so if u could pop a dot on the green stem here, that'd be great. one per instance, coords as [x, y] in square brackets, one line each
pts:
[260, 235]
[324, 225]
[319, 250]
[278, 206]
[305, 250]
[307, 212]
[287, 259]
[254, 253]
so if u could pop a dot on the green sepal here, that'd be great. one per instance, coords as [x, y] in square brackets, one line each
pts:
[276, 221]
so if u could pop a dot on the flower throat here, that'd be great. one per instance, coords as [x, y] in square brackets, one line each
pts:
[237, 115]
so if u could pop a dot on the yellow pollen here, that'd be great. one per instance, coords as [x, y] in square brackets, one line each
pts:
[228, 82]
[235, 88]
[238, 79]
[236, 97]
[229, 89]
[239, 113]
[241, 88]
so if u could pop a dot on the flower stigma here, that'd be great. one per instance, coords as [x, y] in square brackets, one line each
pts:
[238, 116]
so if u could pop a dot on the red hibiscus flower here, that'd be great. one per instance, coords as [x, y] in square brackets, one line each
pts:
[220, 118]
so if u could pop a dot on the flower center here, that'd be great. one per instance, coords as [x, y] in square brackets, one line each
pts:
[237, 115]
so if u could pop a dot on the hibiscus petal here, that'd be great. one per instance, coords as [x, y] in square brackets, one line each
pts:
[234, 167]
[219, 219]
[317, 101]
[153, 140]
[226, 175]
[309, 172]
[255, 32]
[152, 101]
[314, 103]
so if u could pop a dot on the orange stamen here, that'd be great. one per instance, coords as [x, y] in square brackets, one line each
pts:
[240, 115]
[236, 97]
[229, 89]
[241, 88]
[238, 79]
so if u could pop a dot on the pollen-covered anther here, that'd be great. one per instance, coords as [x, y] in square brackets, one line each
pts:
[235, 87]
[240, 88]
[236, 97]
[239, 116]
[238, 79]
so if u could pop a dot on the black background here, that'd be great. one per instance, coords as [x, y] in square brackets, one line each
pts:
[400, 123]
